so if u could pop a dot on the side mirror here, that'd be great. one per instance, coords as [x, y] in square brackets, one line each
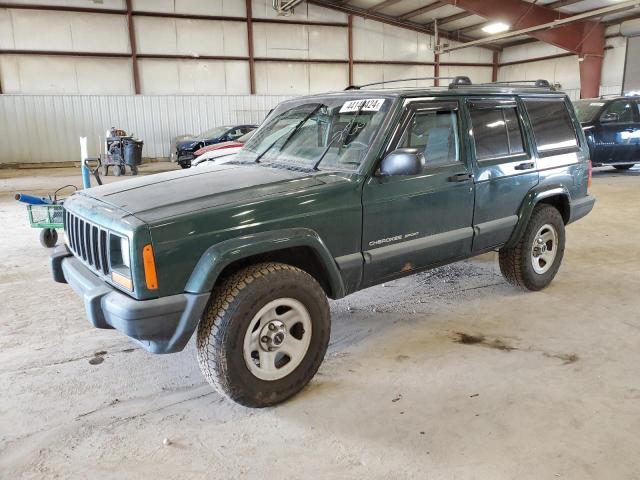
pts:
[402, 161]
[610, 118]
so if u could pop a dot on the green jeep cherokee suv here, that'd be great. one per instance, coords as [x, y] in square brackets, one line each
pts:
[334, 193]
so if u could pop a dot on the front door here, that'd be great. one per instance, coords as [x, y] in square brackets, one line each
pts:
[618, 132]
[505, 169]
[413, 222]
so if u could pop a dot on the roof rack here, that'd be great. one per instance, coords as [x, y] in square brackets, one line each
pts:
[540, 84]
[464, 81]
[459, 80]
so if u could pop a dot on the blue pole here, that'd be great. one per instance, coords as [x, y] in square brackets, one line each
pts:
[86, 179]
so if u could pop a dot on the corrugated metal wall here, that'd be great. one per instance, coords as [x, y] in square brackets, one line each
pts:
[46, 128]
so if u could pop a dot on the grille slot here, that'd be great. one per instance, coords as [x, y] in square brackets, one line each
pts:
[88, 242]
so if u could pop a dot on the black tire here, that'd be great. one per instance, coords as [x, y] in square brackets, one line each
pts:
[233, 305]
[516, 264]
[134, 170]
[623, 167]
[48, 237]
[185, 164]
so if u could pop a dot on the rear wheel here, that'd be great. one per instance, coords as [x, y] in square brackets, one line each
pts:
[264, 334]
[623, 167]
[534, 261]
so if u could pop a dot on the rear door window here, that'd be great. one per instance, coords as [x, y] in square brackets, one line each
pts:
[551, 123]
[496, 129]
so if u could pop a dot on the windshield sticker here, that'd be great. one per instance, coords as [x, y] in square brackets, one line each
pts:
[368, 105]
[596, 104]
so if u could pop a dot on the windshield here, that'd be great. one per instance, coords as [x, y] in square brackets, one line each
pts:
[328, 132]
[213, 133]
[587, 109]
[245, 138]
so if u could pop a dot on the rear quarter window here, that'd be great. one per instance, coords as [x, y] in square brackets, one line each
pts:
[552, 124]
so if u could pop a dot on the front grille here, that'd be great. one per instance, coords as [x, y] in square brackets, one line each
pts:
[88, 242]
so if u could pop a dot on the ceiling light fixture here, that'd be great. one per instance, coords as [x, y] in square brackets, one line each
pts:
[497, 27]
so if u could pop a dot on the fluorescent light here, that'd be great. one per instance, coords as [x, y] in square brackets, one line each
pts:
[497, 27]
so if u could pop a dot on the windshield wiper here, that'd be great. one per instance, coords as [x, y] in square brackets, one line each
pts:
[291, 135]
[339, 135]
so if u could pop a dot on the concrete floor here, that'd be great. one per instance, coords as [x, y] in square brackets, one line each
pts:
[549, 389]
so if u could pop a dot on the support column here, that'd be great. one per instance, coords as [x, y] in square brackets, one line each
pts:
[436, 69]
[134, 50]
[494, 70]
[252, 63]
[590, 75]
[350, 39]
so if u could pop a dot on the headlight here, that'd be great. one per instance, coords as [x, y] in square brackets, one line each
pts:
[120, 261]
[124, 251]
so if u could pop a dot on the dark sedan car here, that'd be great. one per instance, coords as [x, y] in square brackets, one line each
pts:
[612, 128]
[184, 148]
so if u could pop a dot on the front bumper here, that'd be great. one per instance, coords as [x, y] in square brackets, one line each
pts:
[161, 325]
[184, 157]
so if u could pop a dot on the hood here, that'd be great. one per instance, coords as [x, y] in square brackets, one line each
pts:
[156, 197]
[188, 143]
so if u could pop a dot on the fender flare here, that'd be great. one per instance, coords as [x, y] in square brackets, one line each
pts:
[217, 257]
[526, 209]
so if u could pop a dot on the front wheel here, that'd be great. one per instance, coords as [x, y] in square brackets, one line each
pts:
[623, 167]
[534, 261]
[264, 334]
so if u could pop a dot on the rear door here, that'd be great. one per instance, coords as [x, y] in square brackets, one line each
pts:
[412, 222]
[505, 168]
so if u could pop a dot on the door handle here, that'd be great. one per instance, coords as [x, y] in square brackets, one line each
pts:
[525, 166]
[460, 177]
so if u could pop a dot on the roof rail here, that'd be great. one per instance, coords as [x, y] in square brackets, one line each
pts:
[459, 80]
[541, 84]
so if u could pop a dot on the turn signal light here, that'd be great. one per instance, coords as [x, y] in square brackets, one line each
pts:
[122, 280]
[149, 263]
[590, 177]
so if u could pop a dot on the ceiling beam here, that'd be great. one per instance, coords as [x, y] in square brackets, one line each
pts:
[616, 21]
[562, 3]
[422, 10]
[579, 35]
[389, 20]
[381, 5]
[453, 18]
[476, 26]
[525, 41]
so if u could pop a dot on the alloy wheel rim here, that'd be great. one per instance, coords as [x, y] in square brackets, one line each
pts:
[544, 249]
[277, 339]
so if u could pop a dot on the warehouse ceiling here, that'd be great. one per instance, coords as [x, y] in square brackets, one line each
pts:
[457, 23]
